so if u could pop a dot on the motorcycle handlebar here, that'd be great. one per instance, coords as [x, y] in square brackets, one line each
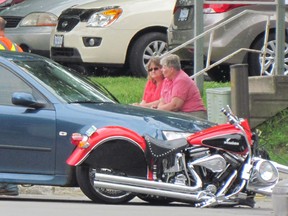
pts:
[231, 118]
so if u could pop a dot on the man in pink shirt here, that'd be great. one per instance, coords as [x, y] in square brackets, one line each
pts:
[179, 92]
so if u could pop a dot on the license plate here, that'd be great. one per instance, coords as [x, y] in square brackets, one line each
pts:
[184, 13]
[58, 40]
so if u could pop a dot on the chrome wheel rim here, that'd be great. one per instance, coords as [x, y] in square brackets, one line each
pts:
[108, 193]
[269, 67]
[155, 48]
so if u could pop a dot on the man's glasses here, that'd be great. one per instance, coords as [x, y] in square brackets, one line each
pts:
[151, 69]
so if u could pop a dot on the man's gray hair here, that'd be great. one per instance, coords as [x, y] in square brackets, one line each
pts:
[171, 60]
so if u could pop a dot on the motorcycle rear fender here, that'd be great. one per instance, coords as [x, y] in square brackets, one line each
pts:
[115, 148]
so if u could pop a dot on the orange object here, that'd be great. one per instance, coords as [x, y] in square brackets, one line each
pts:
[6, 44]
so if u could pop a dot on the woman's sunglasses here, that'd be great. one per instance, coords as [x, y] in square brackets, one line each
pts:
[151, 69]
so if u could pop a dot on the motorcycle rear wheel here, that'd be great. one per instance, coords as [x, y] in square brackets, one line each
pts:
[85, 177]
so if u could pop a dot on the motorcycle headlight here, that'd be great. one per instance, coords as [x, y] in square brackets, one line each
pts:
[104, 18]
[171, 135]
[39, 19]
[267, 172]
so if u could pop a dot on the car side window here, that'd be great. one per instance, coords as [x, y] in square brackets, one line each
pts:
[10, 83]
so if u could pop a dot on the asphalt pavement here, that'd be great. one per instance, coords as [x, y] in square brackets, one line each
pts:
[76, 193]
[47, 201]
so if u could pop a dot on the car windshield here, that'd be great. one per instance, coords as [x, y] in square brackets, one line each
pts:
[68, 86]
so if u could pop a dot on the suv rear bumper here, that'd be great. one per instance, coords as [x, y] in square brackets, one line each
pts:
[175, 39]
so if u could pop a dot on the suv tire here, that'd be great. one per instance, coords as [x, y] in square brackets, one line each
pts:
[146, 46]
[254, 59]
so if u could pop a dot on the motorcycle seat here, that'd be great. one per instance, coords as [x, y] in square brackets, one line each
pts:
[160, 148]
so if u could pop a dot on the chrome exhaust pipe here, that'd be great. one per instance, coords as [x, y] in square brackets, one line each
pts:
[140, 186]
[145, 183]
[149, 191]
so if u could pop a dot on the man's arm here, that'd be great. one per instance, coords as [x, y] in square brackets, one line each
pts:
[175, 104]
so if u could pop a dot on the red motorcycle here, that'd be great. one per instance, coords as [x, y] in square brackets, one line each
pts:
[221, 165]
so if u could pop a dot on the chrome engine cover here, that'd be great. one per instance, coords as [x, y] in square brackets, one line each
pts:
[215, 163]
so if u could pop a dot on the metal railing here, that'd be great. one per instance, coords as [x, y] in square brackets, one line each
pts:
[211, 32]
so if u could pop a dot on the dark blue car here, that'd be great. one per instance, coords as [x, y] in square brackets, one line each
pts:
[42, 103]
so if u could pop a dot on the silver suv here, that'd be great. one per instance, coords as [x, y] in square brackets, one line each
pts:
[248, 32]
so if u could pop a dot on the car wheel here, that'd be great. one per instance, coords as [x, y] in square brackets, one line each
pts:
[146, 46]
[85, 177]
[255, 59]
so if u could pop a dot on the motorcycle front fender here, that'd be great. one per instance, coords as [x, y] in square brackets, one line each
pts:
[101, 136]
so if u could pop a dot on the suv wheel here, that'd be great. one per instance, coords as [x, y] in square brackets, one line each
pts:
[146, 46]
[255, 59]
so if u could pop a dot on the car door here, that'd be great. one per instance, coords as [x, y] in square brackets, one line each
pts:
[27, 135]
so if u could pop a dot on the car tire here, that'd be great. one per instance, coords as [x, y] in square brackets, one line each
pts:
[85, 178]
[146, 46]
[255, 59]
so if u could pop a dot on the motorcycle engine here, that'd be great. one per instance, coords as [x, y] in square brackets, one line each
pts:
[180, 179]
[213, 166]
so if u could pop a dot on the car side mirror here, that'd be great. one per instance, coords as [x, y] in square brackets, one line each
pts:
[26, 100]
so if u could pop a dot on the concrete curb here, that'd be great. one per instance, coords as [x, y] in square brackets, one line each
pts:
[50, 190]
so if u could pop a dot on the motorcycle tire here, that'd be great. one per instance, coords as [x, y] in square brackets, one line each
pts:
[85, 178]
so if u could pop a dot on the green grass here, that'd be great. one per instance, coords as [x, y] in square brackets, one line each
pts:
[126, 89]
[130, 89]
[274, 136]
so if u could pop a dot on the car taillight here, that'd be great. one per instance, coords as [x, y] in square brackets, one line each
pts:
[219, 8]
[175, 9]
[80, 140]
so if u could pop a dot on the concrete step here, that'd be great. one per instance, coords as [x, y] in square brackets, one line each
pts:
[268, 84]
[267, 96]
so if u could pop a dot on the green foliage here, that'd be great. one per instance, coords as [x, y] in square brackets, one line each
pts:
[274, 136]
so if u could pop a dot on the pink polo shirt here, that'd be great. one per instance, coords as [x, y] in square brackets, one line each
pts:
[183, 87]
[152, 92]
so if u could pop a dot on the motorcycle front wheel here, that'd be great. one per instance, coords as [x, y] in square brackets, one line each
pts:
[85, 176]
